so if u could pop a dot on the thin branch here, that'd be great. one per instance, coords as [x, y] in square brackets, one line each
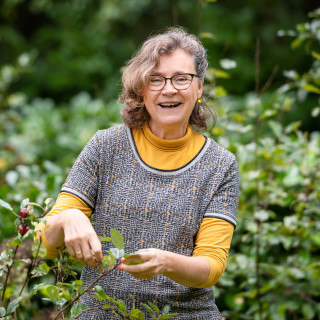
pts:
[269, 81]
[256, 136]
[8, 272]
[32, 267]
[86, 290]
[257, 66]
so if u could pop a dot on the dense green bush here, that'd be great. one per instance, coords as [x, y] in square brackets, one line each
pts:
[273, 271]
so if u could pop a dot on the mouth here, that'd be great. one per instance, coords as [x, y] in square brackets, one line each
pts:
[169, 105]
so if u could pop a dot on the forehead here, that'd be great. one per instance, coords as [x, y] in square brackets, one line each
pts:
[179, 61]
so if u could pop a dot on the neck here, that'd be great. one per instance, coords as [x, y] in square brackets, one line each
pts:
[168, 132]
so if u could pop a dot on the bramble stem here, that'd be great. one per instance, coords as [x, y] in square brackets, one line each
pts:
[86, 290]
[32, 267]
[8, 272]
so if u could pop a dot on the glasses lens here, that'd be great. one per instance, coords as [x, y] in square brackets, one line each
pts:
[179, 81]
[182, 81]
[156, 82]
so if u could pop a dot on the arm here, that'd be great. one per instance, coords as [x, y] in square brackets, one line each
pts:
[68, 225]
[74, 229]
[202, 270]
[188, 271]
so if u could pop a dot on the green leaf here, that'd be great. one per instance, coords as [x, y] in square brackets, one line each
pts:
[53, 293]
[137, 314]
[104, 239]
[2, 311]
[13, 305]
[117, 239]
[41, 270]
[101, 292]
[109, 261]
[150, 310]
[165, 309]
[316, 55]
[207, 35]
[167, 316]
[15, 242]
[154, 307]
[315, 112]
[5, 205]
[311, 88]
[115, 252]
[76, 310]
[308, 311]
[24, 203]
[38, 287]
[48, 201]
[276, 128]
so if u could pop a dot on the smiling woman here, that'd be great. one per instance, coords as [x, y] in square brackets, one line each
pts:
[171, 191]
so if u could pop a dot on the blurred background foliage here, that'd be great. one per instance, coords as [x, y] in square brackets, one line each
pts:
[60, 69]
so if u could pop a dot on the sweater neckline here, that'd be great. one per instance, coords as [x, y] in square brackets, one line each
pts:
[163, 171]
[165, 144]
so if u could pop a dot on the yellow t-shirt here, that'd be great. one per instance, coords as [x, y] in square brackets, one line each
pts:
[214, 237]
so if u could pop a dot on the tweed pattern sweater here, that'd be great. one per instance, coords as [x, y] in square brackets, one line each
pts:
[152, 208]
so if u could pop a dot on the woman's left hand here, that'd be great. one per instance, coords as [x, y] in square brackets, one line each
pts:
[145, 264]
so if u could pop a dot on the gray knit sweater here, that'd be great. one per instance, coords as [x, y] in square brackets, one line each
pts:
[152, 208]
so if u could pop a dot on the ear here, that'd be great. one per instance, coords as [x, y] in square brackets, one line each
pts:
[200, 86]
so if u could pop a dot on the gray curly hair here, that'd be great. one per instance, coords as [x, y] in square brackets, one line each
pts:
[136, 76]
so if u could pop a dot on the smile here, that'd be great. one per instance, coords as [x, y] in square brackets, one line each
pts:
[169, 104]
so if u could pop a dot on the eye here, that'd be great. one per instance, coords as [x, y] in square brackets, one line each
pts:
[156, 80]
[181, 79]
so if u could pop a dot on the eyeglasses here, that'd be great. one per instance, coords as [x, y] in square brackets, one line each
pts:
[179, 81]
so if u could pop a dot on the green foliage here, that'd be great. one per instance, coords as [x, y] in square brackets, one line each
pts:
[272, 271]
[63, 295]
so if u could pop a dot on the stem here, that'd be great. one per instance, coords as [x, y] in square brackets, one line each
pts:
[100, 308]
[86, 290]
[32, 267]
[256, 136]
[36, 205]
[8, 272]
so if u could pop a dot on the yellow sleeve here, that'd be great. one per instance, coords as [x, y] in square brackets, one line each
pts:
[64, 201]
[213, 244]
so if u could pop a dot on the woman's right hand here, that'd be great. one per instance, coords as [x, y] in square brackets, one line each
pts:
[74, 229]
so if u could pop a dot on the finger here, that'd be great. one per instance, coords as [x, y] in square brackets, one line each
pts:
[78, 253]
[96, 249]
[87, 256]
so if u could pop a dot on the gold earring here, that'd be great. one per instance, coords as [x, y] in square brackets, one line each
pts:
[199, 100]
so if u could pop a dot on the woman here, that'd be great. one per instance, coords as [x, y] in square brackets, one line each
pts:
[168, 189]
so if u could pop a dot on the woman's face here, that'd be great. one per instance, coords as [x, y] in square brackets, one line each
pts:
[169, 108]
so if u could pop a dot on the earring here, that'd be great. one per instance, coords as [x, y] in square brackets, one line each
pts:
[199, 100]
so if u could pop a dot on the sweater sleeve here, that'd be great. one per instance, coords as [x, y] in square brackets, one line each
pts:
[64, 201]
[213, 243]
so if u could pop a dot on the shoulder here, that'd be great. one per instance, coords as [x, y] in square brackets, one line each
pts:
[117, 132]
[218, 154]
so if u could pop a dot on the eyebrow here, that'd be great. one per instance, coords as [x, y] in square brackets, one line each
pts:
[162, 74]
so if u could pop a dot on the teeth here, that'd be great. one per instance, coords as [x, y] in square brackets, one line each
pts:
[169, 104]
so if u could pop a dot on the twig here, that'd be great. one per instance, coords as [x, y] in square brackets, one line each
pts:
[8, 272]
[269, 81]
[32, 267]
[100, 308]
[256, 133]
[86, 290]
[257, 66]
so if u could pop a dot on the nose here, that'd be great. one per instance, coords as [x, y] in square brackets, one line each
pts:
[168, 87]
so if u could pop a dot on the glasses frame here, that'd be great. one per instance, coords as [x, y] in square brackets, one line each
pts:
[176, 75]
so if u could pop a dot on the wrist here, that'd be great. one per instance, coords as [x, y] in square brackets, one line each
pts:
[168, 262]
